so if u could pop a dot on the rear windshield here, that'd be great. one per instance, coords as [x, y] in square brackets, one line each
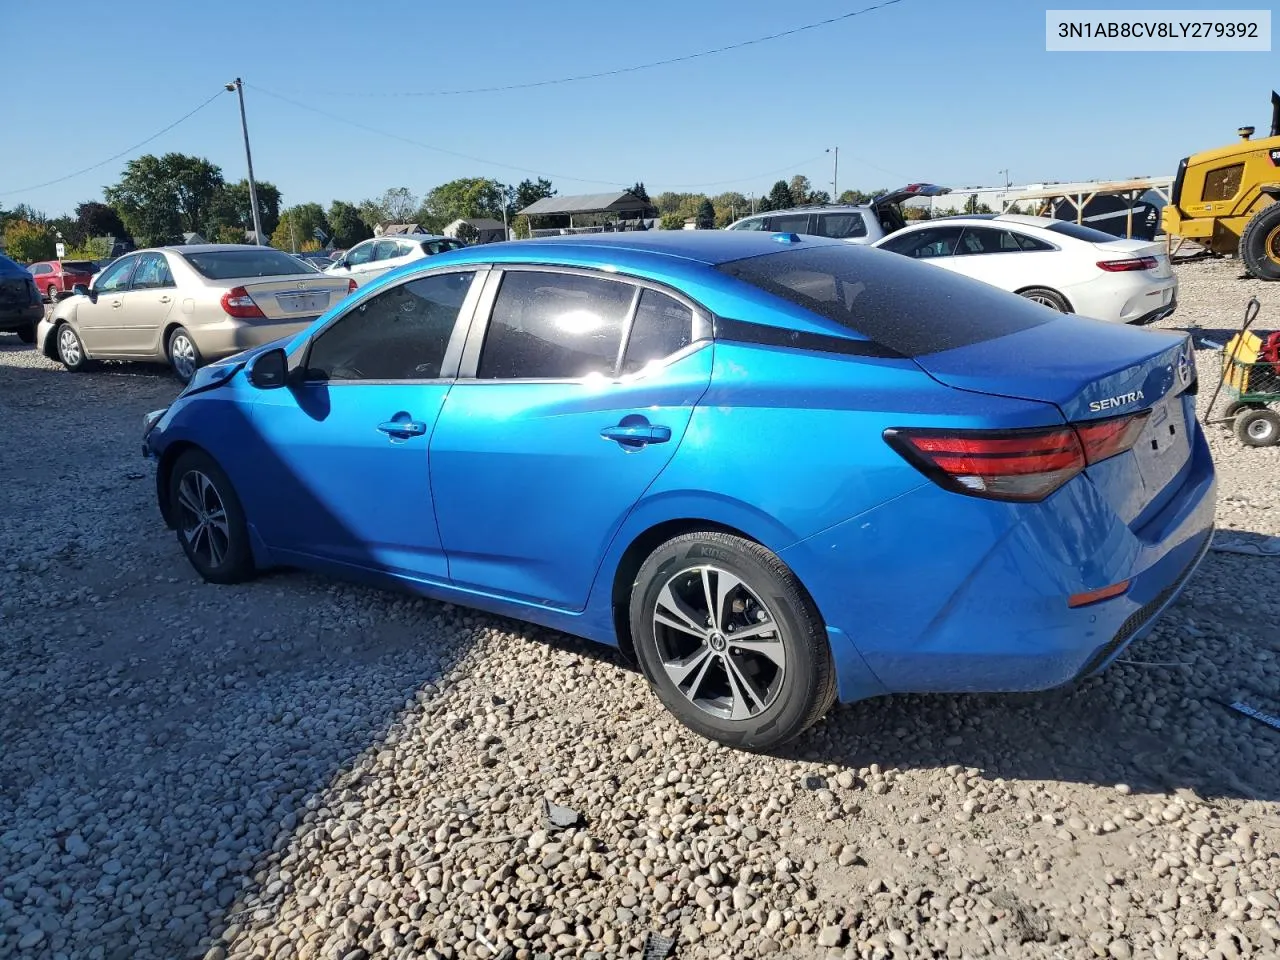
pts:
[1079, 232]
[911, 308]
[78, 266]
[249, 262]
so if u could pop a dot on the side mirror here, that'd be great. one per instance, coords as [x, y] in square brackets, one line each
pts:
[269, 370]
[80, 290]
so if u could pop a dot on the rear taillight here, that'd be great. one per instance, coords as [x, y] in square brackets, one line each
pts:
[1132, 263]
[237, 303]
[1019, 465]
[351, 286]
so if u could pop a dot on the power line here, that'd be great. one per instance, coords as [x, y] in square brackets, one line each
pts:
[617, 71]
[495, 163]
[103, 163]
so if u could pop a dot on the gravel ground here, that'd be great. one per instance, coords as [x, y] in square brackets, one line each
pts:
[302, 768]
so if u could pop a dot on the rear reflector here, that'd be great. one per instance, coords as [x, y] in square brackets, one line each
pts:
[1133, 263]
[1093, 596]
[1018, 465]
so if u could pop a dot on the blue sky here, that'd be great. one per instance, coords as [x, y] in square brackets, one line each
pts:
[948, 92]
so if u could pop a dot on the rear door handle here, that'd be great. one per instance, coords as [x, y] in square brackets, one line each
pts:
[403, 428]
[637, 435]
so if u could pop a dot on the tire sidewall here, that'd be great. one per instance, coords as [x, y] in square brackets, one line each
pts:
[1253, 243]
[238, 562]
[1246, 418]
[789, 713]
[1059, 305]
[57, 343]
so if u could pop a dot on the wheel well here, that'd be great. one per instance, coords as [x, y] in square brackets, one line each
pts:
[164, 470]
[1040, 286]
[633, 559]
[164, 337]
[50, 346]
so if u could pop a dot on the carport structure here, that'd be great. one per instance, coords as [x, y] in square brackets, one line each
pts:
[1080, 195]
[622, 204]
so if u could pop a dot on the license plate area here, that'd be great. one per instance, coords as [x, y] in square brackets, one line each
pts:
[1164, 445]
[312, 303]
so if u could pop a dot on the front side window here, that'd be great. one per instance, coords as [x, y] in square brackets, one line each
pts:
[401, 334]
[925, 244]
[840, 226]
[663, 326]
[987, 240]
[360, 253]
[554, 326]
[152, 273]
[116, 276]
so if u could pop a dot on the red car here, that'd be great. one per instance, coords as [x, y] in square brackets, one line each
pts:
[55, 278]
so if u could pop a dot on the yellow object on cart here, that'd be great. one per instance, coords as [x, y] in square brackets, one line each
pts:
[1241, 352]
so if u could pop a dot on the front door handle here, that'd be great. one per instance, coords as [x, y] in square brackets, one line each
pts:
[166, 299]
[403, 428]
[116, 304]
[637, 434]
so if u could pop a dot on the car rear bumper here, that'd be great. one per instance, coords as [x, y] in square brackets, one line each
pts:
[948, 594]
[230, 336]
[1135, 297]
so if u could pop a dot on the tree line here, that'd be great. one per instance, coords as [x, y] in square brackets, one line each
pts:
[159, 199]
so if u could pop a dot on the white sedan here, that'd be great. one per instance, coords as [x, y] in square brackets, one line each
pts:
[1063, 265]
[371, 259]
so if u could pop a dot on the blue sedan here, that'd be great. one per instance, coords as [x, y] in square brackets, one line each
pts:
[776, 470]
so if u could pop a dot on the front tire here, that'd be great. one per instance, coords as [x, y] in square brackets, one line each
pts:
[1046, 297]
[1260, 243]
[209, 520]
[70, 349]
[184, 356]
[730, 641]
[1257, 428]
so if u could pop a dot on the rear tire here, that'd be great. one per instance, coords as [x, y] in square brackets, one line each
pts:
[27, 334]
[209, 520]
[692, 597]
[1260, 243]
[1257, 428]
[1046, 297]
[184, 355]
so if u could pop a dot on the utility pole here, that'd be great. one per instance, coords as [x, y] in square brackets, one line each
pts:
[1006, 177]
[238, 86]
[835, 173]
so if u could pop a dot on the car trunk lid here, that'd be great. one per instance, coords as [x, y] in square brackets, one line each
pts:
[1122, 371]
[293, 297]
[1122, 250]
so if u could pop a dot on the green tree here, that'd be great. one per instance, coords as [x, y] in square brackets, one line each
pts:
[781, 197]
[465, 197]
[671, 202]
[819, 196]
[346, 226]
[234, 208]
[298, 225]
[100, 220]
[706, 215]
[672, 221]
[730, 206]
[800, 188]
[159, 198]
[639, 191]
[27, 242]
[73, 234]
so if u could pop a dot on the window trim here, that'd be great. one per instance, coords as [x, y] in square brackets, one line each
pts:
[702, 332]
[301, 354]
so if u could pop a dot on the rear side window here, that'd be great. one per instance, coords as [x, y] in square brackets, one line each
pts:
[987, 240]
[911, 308]
[432, 247]
[77, 266]
[790, 223]
[550, 326]
[840, 226]
[1025, 242]
[925, 244]
[1079, 232]
[249, 262]
[663, 326]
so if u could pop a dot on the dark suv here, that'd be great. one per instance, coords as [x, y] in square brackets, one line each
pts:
[20, 306]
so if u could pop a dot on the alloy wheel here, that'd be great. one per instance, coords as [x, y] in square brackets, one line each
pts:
[203, 518]
[718, 643]
[182, 354]
[1042, 299]
[69, 346]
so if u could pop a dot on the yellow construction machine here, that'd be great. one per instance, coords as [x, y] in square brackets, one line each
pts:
[1228, 199]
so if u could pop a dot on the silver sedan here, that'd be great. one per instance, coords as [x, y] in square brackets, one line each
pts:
[187, 305]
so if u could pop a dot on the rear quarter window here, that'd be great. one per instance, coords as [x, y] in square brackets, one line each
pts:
[911, 308]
